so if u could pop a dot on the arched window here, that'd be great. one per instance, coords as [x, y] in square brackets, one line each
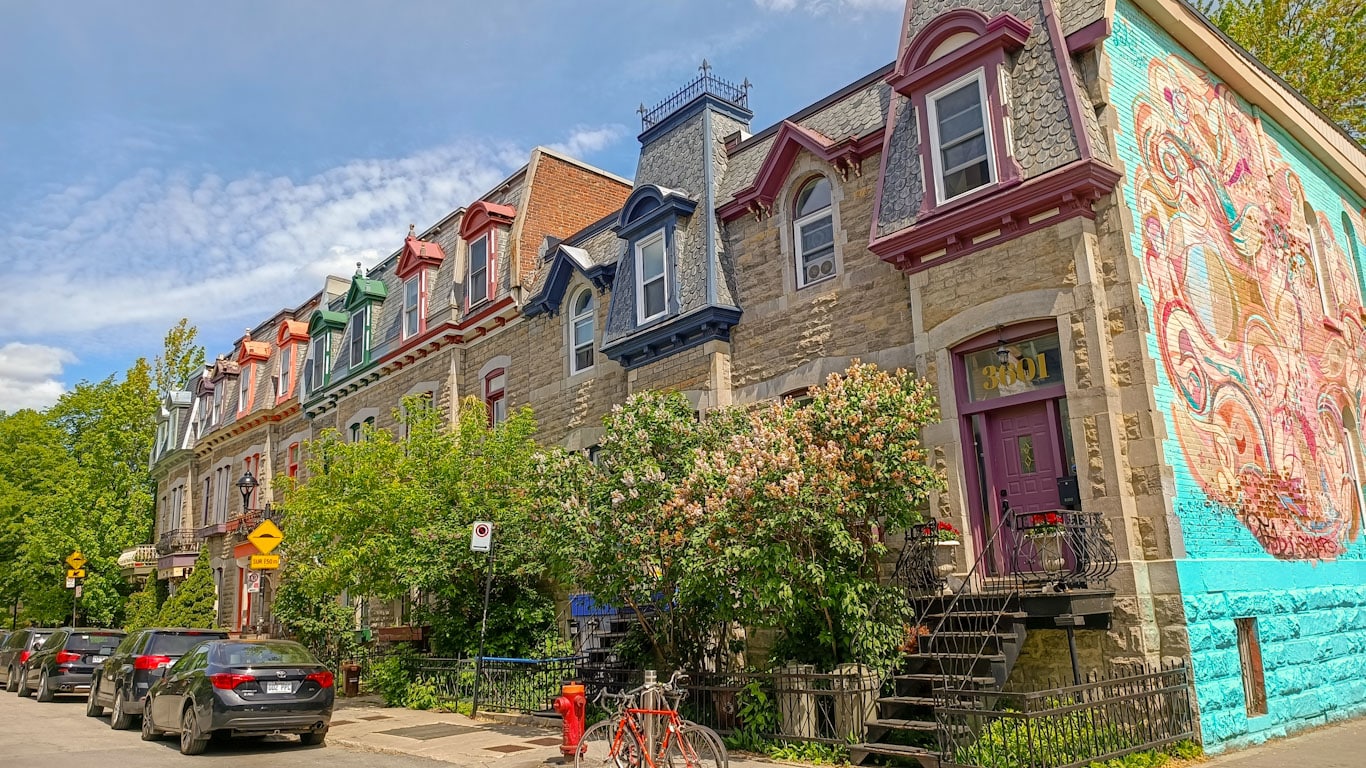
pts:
[813, 232]
[1318, 257]
[581, 332]
[1354, 254]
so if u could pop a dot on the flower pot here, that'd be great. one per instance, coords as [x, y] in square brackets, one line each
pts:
[1048, 546]
[945, 557]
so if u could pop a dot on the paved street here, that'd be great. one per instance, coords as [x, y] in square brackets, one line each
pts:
[59, 734]
[1341, 745]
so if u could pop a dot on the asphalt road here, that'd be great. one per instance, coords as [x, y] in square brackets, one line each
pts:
[34, 735]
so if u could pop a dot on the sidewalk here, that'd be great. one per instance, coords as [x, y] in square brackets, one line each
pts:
[1342, 745]
[366, 724]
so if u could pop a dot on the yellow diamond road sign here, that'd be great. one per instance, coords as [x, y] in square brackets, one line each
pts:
[75, 560]
[266, 537]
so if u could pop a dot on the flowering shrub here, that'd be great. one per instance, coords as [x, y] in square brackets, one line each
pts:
[1044, 524]
[944, 531]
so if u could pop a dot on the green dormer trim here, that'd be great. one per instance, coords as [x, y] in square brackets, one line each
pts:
[325, 320]
[364, 291]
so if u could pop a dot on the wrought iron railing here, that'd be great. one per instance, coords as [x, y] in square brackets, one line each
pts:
[502, 684]
[180, 540]
[794, 703]
[705, 83]
[1066, 727]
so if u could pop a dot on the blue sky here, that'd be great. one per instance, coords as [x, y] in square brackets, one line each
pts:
[169, 158]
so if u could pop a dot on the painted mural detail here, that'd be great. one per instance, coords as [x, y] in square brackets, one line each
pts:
[1258, 317]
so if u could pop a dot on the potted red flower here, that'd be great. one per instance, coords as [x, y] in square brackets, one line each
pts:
[947, 540]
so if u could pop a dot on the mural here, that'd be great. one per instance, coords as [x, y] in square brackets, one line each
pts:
[1258, 316]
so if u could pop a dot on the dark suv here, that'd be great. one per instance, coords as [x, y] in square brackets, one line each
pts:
[122, 681]
[67, 660]
[16, 650]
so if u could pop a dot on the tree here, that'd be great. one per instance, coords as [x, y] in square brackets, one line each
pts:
[389, 518]
[193, 604]
[1317, 46]
[33, 463]
[180, 358]
[141, 609]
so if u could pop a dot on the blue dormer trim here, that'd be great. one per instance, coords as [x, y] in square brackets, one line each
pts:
[673, 336]
[563, 262]
[650, 207]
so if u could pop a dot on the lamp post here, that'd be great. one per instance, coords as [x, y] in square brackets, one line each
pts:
[247, 485]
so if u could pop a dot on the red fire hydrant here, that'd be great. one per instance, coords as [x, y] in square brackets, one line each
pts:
[572, 705]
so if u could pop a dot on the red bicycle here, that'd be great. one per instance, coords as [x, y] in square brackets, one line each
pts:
[623, 740]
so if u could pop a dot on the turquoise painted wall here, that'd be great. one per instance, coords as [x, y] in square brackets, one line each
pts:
[1256, 327]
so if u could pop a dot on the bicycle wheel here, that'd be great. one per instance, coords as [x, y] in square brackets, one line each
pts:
[713, 737]
[595, 748]
[692, 747]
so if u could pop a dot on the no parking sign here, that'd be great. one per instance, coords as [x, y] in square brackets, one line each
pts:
[481, 536]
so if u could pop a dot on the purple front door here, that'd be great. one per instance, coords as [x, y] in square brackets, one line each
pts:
[1024, 459]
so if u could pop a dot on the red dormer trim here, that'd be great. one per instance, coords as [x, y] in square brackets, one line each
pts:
[845, 155]
[914, 70]
[416, 255]
[291, 332]
[483, 215]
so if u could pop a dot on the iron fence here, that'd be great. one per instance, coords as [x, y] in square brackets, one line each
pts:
[1065, 727]
[504, 684]
[737, 94]
[793, 703]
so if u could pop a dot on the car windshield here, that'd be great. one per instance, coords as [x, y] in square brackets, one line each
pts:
[251, 654]
[178, 643]
[93, 642]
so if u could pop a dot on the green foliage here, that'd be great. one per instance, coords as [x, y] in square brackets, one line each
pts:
[770, 516]
[1188, 750]
[757, 714]
[142, 607]
[1050, 739]
[391, 677]
[192, 605]
[1155, 758]
[422, 695]
[180, 358]
[1315, 45]
[318, 621]
[385, 517]
[813, 752]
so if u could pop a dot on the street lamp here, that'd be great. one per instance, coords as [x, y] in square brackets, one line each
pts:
[247, 485]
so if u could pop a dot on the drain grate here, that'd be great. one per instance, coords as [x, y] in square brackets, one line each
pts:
[432, 731]
[507, 748]
[545, 742]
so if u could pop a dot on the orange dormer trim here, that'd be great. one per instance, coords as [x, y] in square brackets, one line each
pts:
[252, 351]
[483, 215]
[416, 255]
[291, 332]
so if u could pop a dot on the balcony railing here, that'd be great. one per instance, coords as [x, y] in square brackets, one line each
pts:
[705, 83]
[177, 542]
[142, 556]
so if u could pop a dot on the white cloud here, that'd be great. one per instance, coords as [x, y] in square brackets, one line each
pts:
[30, 375]
[140, 253]
[820, 7]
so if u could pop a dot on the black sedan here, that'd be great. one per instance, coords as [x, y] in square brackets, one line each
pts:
[66, 661]
[122, 682]
[240, 688]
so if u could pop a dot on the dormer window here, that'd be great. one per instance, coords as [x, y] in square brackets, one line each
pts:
[581, 335]
[652, 285]
[217, 414]
[360, 335]
[960, 137]
[284, 377]
[813, 232]
[244, 388]
[480, 275]
[316, 373]
[412, 306]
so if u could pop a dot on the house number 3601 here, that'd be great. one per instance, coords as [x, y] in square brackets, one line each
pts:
[1021, 369]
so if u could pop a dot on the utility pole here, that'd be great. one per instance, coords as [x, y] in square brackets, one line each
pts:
[481, 540]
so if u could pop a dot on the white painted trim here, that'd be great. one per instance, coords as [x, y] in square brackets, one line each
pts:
[656, 236]
[501, 361]
[828, 211]
[932, 117]
[571, 326]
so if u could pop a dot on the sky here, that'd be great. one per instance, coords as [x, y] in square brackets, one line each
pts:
[216, 160]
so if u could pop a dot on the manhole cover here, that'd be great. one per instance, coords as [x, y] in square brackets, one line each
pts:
[376, 717]
[429, 732]
[546, 742]
[507, 748]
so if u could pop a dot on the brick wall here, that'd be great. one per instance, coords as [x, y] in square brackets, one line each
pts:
[565, 197]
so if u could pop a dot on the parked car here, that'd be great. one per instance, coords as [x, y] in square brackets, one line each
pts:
[240, 688]
[66, 661]
[122, 681]
[16, 650]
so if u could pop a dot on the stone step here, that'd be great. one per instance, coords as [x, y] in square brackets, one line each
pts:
[894, 724]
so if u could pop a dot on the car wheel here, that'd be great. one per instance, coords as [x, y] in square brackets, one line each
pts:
[120, 720]
[92, 709]
[313, 738]
[149, 730]
[12, 680]
[24, 690]
[45, 687]
[191, 741]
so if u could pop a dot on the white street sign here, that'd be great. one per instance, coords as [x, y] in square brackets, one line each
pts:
[481, 536]
[253, 581]
[78, 590]
[71, 583]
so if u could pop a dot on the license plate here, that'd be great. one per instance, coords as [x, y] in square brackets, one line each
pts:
[280, 687]
[98, 659]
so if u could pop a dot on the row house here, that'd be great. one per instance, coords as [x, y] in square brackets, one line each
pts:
[1128, 258]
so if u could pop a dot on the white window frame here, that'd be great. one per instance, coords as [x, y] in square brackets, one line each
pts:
[412, 312]
[320, 349]
[217, 414]
[575, 320]
[486, 279]
[1322, 271]
[826, 212]
[360, 325]
[244, 387]
[284, 377]
[658, 236]
[932, 118]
